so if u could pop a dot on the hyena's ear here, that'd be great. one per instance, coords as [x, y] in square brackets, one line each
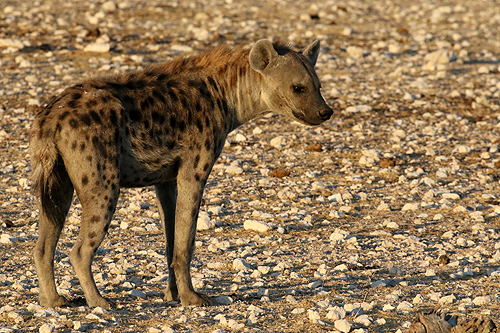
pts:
[311, 52]
[261, 55]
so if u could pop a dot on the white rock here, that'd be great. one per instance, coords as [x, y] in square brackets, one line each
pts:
[404, 306]
[47, 328]
[278, 142]
[97, 47]
[7, 42]
[363, 320]
[240, 138]
[358, 108]
[354, 51]
[204, 221]
[482, 300]
[240, 264]
[336, 313]
[256, 226]
[7, 239]
[411, 206]
[450, 299]
[343, 325]
[108, 6]
[440, 57]
[313, 315]
[418, 299]
[234, 170]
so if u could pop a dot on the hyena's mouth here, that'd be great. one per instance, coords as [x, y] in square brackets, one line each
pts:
[301, 118]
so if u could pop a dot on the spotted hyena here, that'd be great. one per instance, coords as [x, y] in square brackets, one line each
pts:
[163, 126]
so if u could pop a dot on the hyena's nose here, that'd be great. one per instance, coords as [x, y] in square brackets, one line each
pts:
[325, 114]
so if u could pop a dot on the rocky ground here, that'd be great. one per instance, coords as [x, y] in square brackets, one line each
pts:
[386, 211]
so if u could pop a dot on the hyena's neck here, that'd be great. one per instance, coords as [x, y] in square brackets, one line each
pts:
[241, 88]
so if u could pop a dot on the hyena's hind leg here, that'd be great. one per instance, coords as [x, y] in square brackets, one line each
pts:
[166, 194]
[98, 205]
[55, 202]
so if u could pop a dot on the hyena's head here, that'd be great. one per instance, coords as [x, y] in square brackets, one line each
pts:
[290, 84]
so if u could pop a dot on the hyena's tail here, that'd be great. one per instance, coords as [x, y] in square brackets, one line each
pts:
[49, 176]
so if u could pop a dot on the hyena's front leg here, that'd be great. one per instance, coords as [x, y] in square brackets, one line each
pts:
[190, 185]
[166, 194]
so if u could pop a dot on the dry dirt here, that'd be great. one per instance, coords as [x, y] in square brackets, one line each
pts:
[389, 209]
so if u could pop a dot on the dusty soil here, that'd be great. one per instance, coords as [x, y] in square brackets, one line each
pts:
[389, 209]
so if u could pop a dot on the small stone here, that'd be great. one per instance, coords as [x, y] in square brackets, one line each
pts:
[222, 300]
[47, 328]
[97, 47]
[137, 293]
[354, 51]
[418, 299]
[450, 299]
[108, 6]
[256, 226]
[358, 108]
[313, 315]
[14, 43]
[240, 264]
[343, 325]
[204, 222]
[482, 300]
[234, 170]
[7, 239]
[411, 206]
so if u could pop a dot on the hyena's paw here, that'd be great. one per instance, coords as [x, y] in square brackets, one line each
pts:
[99, 302]
[195, 299]
[171, 295]
[54, 302]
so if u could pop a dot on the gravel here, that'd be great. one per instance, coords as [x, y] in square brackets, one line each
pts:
[389, 209]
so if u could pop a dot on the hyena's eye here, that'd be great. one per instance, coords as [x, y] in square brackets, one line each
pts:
[297, 89]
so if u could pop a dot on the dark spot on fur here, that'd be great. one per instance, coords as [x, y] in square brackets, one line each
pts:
[139, 84]
[113, 117]
[76, 96]
[95, 117]
[85, 180]
[91, 103]
[92, 235]
[206, 166]
[197, 177]
[64, 115]
[95, 219]
[147, 103]
[173, 121]
[182, 125]
[73, 104]
[58, 128]
[105, 99]
[173, 96]
[73, 145]
[134, 115]
[82, 146]
[89, 158]
[92, 244]
[86, 119]
[208, 144]
[73, 123]
[162, 77]
[159, 96]
[199, 124]
[99, 147]
[196, 161]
